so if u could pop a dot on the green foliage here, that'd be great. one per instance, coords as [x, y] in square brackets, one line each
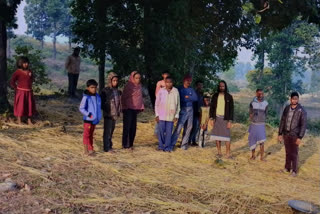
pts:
[241, 113]
[284, 63]
[36, 65]
[314, 126]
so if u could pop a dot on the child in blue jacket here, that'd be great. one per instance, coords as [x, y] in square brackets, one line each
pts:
[90, 107]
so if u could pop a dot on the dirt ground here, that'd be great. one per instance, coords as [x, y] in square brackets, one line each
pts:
[54, 177]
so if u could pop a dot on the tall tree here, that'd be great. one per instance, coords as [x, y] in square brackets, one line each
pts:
[37, 19]
[48, 18]
[285, 63]
[8, 10]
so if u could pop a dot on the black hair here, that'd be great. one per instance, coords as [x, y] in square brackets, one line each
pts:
[77, 48]
[21, 61]
[199, 81]
[165, 72]
[259, 89]
[226, 87]
[169, 78]
[92, 82]
[206, 97]
[294, 94]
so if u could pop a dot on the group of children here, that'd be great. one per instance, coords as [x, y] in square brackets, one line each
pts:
[200, 117]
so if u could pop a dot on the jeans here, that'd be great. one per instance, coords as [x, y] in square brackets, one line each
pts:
[185, 116]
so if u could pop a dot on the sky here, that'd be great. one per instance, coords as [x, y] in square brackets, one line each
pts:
[244, 55]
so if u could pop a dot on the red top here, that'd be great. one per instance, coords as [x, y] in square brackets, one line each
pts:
[22, 79]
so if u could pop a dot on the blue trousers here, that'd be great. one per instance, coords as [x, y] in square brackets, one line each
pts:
[195, 130]
[165, 134]
[185, 116]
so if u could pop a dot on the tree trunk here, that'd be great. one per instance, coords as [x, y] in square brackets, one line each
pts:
[8, 48]
[148, 52]
[54, 46]
[70, 44]
[4, 104]
[42, 43]
[102, 63]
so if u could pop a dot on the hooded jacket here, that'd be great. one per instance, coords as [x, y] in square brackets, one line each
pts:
[90, 107]
[298, 123]
[111, 99]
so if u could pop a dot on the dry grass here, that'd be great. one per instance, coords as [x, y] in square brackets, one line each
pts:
[49, 159]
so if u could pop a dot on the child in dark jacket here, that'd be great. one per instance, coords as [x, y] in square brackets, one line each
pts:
[90, 107]
[111, 106]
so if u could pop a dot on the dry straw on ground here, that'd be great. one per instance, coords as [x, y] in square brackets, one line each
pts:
[48, 158]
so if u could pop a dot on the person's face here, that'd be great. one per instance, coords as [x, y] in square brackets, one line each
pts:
[165, 75]
[260, 95]
[114, 82]
[187, 82]
[200, 86]
[92, 89]
[169, 83]
[25, 65]
[294, 100]
[206, 101]
[222, 87]
[137, 79]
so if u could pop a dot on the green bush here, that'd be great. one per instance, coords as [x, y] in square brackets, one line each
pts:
[241, 113]
[314, 126]
[36, 65]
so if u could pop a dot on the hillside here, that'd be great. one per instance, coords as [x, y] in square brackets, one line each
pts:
[54, 177]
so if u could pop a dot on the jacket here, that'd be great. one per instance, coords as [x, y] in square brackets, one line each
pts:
[90, 108]
[111, 99]
[228, 109]
[298, 123]
[187, 102]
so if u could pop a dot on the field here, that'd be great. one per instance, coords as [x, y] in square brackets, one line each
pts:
[53, 176]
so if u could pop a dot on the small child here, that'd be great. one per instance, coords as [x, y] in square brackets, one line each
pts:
[167, 108]
[204, 119]
[90, 107]
[21, 82]
[111, 106]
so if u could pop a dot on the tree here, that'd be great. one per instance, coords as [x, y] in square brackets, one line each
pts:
[284, 62]
[8, 10]
[36, 19]
[48, 18]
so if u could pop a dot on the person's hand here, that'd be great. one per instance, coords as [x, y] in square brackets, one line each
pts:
[90, 116]
[229, 124]
[204, 126]
[187, 97]
[211, 122]
[280, 138]
[157, 119]
[175, 120]
[299, 141]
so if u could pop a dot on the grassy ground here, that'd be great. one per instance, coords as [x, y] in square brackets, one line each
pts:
[48, 158]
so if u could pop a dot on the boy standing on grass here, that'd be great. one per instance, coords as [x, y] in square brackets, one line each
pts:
[90, 107]
[257, 130]
[204, 119]
[111, 106]
[187, 97]
[292, 128]
[167, 108]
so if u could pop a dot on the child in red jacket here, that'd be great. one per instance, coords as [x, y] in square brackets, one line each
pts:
[21, 82]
